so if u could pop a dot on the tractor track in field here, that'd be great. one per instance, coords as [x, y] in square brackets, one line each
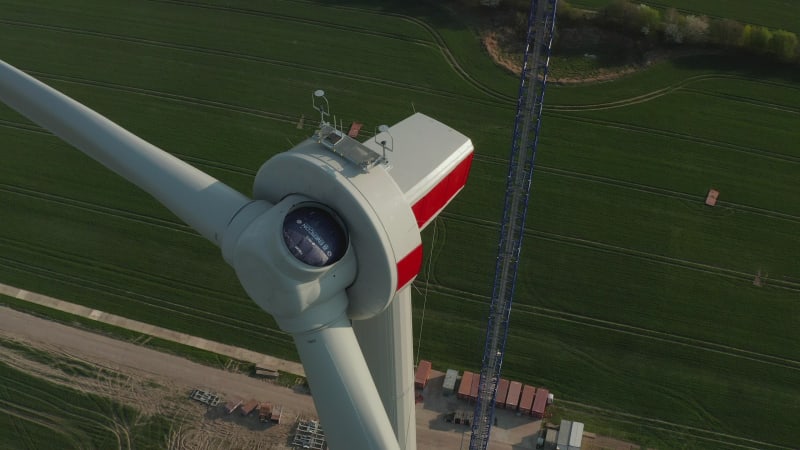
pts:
[40, 418]
[680, 85]
[92, 267]
[671, 427]
[156, 302]
[646, 189]
[176, 226]
[24, 127]
[185, 99]
[438, 40]
[244, 57]
[231, 168]
[98, 209]
[667, 193]
[619, 250]
[297, 19]
[682, 136]
[217, 165]
[27, 390]
[490, 159]
[169, 307]
[111, 269]
[108, 290]
[686, 401]
[746, 100]
[617, 327]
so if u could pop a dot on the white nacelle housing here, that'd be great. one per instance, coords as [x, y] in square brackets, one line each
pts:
[383, 205]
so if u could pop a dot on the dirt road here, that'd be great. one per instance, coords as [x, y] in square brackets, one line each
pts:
[432, 431]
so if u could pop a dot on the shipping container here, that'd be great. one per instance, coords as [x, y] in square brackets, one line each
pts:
[526, 402]
[232, 404]
[449, 384]
[277, 414]
[248, 407]
[563, 434]
[264, 412]
[540, 403]
[466, 385]
[514, 392]
[502, 393]
[476, 382]
[576, 436]
[423, 372]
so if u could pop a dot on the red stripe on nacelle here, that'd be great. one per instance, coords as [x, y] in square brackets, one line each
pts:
[408, 267]
[437, 198]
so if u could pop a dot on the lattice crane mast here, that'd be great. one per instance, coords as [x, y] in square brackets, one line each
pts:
[533, 79]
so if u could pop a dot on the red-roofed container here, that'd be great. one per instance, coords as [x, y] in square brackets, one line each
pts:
[423, 372]
[514, 391]
[466, 385]
[711, 198]
[526, 402]
[476, 381]
[249, 407]
[502, 393]
[540, 403]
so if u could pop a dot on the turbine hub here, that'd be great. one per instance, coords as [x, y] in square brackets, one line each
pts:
[314, 236]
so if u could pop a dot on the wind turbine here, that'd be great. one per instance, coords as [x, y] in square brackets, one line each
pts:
[329, 245]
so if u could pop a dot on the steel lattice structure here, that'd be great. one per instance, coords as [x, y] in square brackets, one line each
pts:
[533, 79]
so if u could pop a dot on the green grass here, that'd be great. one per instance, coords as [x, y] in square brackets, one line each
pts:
[632, 295]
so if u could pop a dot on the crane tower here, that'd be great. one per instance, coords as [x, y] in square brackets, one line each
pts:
[533, 79]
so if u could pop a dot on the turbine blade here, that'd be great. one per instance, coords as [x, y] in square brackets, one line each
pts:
[347, 401]
[387, 344]
[203, 202]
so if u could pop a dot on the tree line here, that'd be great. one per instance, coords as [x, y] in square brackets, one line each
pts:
[671, 27]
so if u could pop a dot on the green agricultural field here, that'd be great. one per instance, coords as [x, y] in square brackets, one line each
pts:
[636, 303]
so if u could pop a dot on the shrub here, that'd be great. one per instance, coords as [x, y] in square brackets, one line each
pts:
[725, 32]
[569, 13]
[756, 38]
[648, 19]
[629, 17]
[784, 45]
[695, 29]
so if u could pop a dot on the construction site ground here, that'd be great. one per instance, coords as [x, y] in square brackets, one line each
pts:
[156, 382]
[160, 382]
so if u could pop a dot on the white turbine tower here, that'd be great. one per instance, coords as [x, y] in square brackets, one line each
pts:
[329, 245]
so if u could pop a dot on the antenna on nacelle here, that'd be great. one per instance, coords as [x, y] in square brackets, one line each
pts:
[383, 142]
[324, 109]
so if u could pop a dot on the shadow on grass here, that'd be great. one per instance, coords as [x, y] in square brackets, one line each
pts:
[437, 14]
[745, 64]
